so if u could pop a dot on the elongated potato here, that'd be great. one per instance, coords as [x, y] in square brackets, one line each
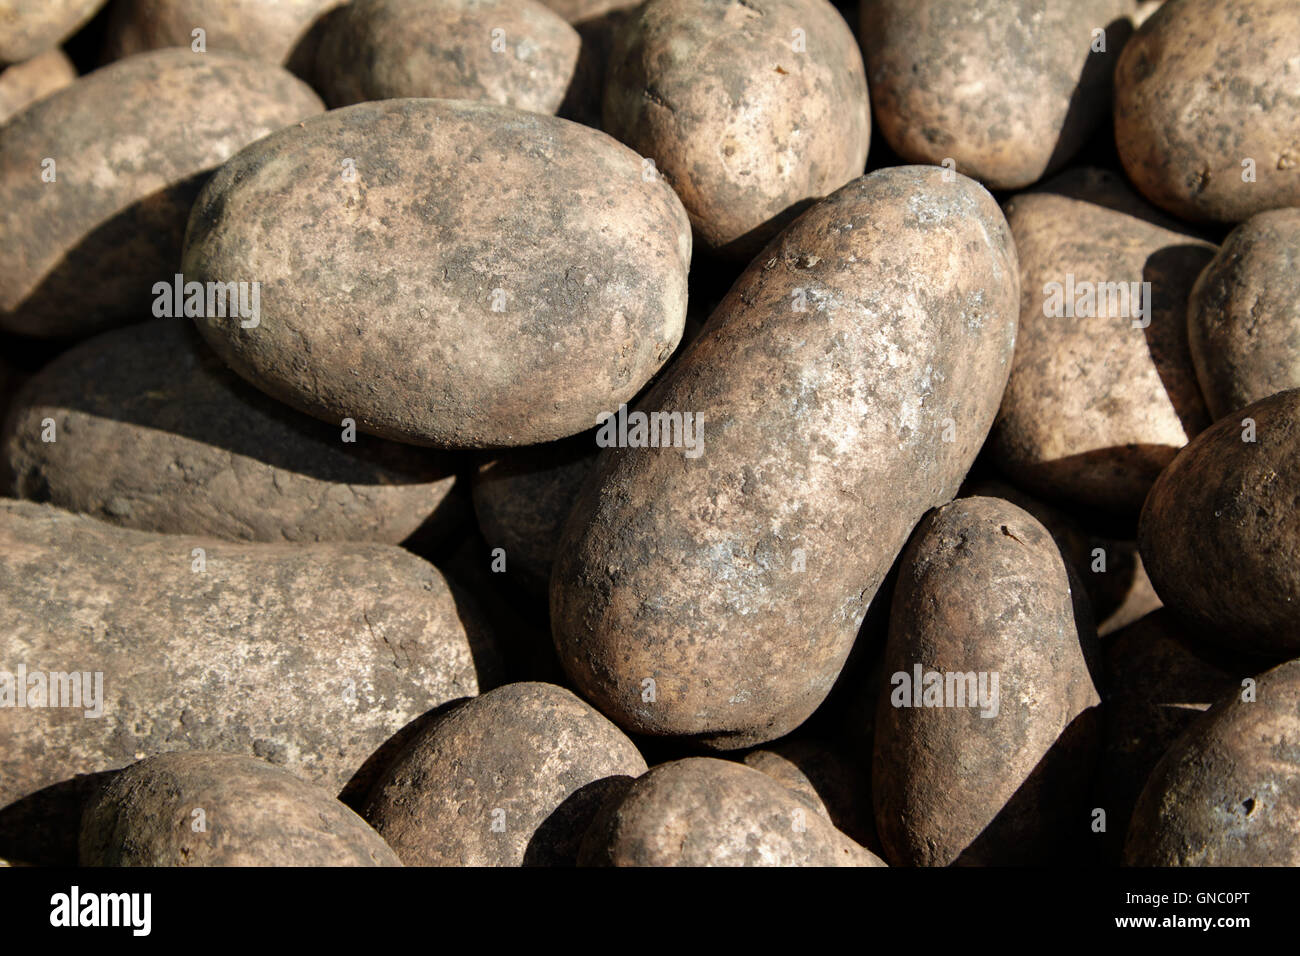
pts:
[266, 29]
[845, 385]
[446, 273]
[24, 83]
[220, 809]
[30, 27]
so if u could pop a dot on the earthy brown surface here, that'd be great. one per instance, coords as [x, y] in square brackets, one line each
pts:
[24, 83]
[834, 782]
[30, 27]
[266, 29]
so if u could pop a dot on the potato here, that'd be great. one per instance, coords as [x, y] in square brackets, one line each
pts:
[484, 277]
[1103, 393]
[153, 432]
[1206, 108]
[830, 780]
[1243, 318]
[749, 110]
[847, 381]
[998, 92]
[576, 11]
[707, 812]
[1220, 533]
[383, 49]
[510, 778]
[1228, 792]
[125, 148]
[986, 736]
[30, 27]
[221, 809]
[24, 83]
[309, 657]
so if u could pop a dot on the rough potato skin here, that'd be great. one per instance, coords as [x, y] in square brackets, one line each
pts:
[832, 781]
[823, 444]
[24, 83]
[265, 29]
[1228, 791]
[1008, 90]
[1243, 318]
[1096, 408]
[383, 49]
[576, 11]
[702, 811]
[1203, 86]
[746, 129]
[30, 27]
[254, 814]
[378, 291]
[130, 142]
[982, 587]
[532, 750]
[1220, 533]
[309, 658]
[154, 433]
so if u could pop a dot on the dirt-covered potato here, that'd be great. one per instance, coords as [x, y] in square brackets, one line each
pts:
[511, 778]
[222, 809]
[713, 589]
[1207, 107]
[143, 427]
[1243, 318]
[1103, 393]
[446, 273]
[512, 52]
[833, 781]
[24, 83]
[1220, 532]
[1003, 92]
[1228, 791]
[307, 656]
[749, 110]
[266, 29]
[30, 27]
[986, 735]
[707, 812]
[96, 181]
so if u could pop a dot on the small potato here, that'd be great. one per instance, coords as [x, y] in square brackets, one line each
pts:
[1207, 108]
[24, 83]
[1228, 791]
[510, 778]
[750, 110]
[251, 814]
[1243, 318]
[30, 27]
[829, 779]
[707, 812]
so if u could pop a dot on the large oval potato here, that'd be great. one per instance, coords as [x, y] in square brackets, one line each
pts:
[510, 778]
[1005, 92]
[1243, 317]
[512, 52]
[750, 110]
[24, 83]
[266, 29]
[1220, 533]
[845, 385]
[152, 432]
[1103, 392]
[30, 27]
[1207, 107]
[124, 150]
[1228, 791]
[221, 809]
[986, 736]
[445, 273]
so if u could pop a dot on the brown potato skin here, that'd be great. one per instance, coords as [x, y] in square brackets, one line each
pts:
[745, 129]
[591, 260]
[834, 781]
[1243, 318]
[1228, 791]
[383, 49]
[24, 83]
[1202, 86]
[254, 814]
[683, 570]
[534, 750]
[1220, 532]
[131, 143]
[267, 30]
[30, 27]
[154, 433]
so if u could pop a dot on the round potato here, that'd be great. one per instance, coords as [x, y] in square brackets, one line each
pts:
[712, 587]
[446, 273]
[30, 27]
[1243, 318]
[1207, 107]
[510, 778]
[96, 181]
[24, 83]
[1220, 533]
[1003, 92]
[220, 809]
[749, 110]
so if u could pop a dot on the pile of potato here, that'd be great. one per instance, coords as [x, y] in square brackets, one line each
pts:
[554, 432]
